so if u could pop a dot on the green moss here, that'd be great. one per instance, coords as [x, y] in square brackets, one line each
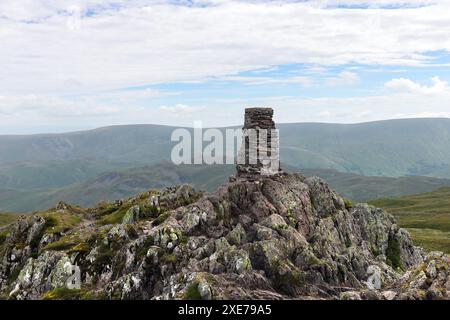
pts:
[142, 250]
[97, 237]
[313, 260]
[393, 254]
[115, 217]
[65, 243]
[104, 257]
[192, 292]
[280, 226]
[218, 209]
[211, 280]
[149, 211]
[442, 265]
[289, 281]
[81, 247]
[3, 236]
[50, 222]
[160, 219]
[34, 255]
[291, 217]
[2, 239]
[119, 264]
[348, 204]
[56, 222]
[14, 275]
[348, 240]
[131, 231]
[168, 258]
[184, 239]
[105, 209]
[64, 293]
[375, 251]
[20, 245]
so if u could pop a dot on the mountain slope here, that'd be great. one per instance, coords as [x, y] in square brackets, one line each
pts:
[115, 185]
[134, 143]
[363, 188]
[385, 148]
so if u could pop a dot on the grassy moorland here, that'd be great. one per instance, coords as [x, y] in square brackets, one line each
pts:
[6, 218]
[426, 216]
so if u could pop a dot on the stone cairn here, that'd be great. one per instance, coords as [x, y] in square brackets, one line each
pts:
[257, 119]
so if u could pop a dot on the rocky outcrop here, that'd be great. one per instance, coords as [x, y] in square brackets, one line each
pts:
[277, 237]
[428, 280]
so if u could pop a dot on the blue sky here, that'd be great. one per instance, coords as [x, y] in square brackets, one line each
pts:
[71, 65]
[314, 81]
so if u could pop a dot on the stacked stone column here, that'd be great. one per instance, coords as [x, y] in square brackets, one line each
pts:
[251, 161]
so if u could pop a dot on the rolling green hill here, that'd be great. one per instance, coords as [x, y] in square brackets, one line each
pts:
[426, 216]
[386, 148]
[133, 144]
[53, 173]
[115, 185]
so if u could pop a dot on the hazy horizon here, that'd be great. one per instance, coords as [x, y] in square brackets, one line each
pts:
[81, 129]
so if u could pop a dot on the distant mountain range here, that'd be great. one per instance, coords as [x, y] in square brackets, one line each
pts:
[384, 148]
[112, 162]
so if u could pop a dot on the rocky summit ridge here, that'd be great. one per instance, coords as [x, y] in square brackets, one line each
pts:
[275, 237]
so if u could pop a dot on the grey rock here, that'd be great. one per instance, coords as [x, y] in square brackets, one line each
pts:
[389, 295]
[131, 216]
[350, 295]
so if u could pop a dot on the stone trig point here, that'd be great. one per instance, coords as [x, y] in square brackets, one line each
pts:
[259, 153]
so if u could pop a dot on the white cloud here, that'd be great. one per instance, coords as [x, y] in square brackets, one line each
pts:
[378, 3]
[181, 109]
[362, 109]
[52, 107]
[344, 78]
[301, 80]
[407, 85]
[127, 43]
